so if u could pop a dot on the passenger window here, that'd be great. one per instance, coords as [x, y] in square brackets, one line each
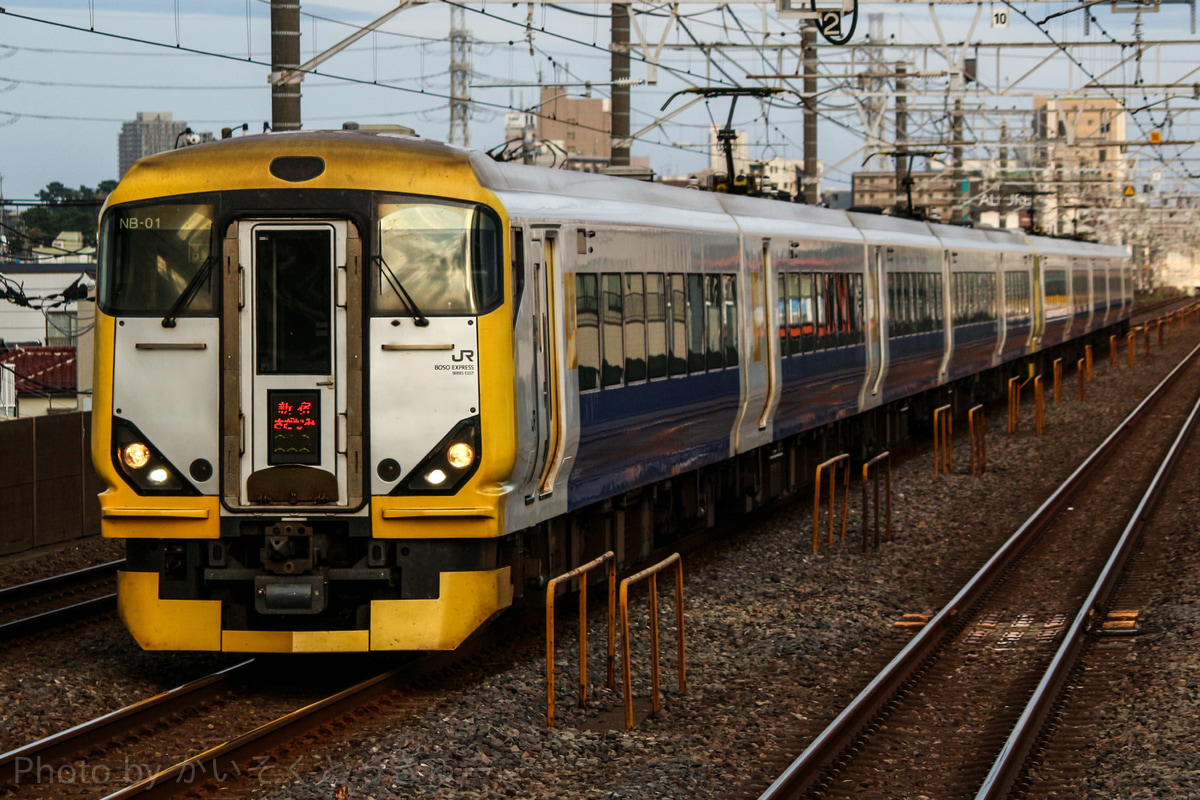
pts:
[587, 331]
[924, 301]
[795, 300]
[939, 301]
[695, 323]
[635, 329]
[784, 325]
[856, 308]
[712, 316]
[821, 307]
[893, 305]
[614, 349]
[808, 314]
[1056, 292]
[656, 326]
[679, 328]
[729, 327]
[1079, 287]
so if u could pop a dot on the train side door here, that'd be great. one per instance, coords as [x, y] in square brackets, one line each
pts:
[1037, 299]
[1003, 303]
[876, 330]
[757, 365]
[548, 377]
[291, 398]
[765, 325]
[949, 260]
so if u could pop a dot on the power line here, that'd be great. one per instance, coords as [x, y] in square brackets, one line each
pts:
[239, 59]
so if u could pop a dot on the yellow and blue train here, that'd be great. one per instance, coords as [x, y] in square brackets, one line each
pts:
[362, 391]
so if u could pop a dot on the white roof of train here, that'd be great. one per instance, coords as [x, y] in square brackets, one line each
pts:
[529, 191]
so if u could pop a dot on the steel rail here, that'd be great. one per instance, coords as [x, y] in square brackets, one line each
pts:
[1007, 768]
[22, 591]
[796, 780]
[59, 616]
[61, 747]
[227, 760]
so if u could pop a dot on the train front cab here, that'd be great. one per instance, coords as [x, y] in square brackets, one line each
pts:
[300, 457]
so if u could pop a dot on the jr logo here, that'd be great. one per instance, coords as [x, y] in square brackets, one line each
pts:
[464, 355]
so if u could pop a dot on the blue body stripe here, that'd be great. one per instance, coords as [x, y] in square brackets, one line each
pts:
[630, 436]
[913, 363]
[974, 345]
[819, 388]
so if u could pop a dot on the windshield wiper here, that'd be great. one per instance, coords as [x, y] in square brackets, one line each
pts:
[189, 292]
[419, 319]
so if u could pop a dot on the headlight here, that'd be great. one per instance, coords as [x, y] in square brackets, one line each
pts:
[460, 455]
[135, 455]
[449, 465]
[147, 471]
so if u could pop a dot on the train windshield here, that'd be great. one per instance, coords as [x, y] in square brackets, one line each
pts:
[445, 255]
[151, 255]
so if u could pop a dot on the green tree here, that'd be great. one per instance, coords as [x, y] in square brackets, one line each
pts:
[65, 209]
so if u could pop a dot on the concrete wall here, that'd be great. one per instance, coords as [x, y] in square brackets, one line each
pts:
[47, 485]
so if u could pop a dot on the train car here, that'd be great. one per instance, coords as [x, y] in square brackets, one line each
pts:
[362, 391]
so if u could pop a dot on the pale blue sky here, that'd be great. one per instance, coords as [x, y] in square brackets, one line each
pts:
[64, 91]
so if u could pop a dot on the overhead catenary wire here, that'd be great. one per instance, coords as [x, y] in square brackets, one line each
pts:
[345, 78]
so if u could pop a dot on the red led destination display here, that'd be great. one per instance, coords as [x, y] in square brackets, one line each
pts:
[294, 427]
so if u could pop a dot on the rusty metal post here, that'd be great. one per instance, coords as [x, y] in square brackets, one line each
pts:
[884, 457]
[1131, 347]
[680, 649]
[867, 506]
[551, 588]
[1091, 376]
[1146, 331]
[651, 574]
[611, 677]
[845, 502]
[943, 440]
[1040, 406]
[1058, 375]
[832, 464]
[1082, 369]
[655, 677]
[977, 429]
[1014, 404]
[1112, 352]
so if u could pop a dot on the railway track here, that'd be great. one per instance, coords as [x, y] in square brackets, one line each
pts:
[223, 728]
[1159, 308]
[32, 607]
[973, 687]
[211, 728]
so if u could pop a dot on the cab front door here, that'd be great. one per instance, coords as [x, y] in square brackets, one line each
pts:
[296, 382]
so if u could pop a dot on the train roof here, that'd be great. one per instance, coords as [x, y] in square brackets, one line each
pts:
[539, 192]
[758, 216]
[881, 229]
[960, 235]
[584, 197]
[1045, 245]
[1008, 239]
[245, 163]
